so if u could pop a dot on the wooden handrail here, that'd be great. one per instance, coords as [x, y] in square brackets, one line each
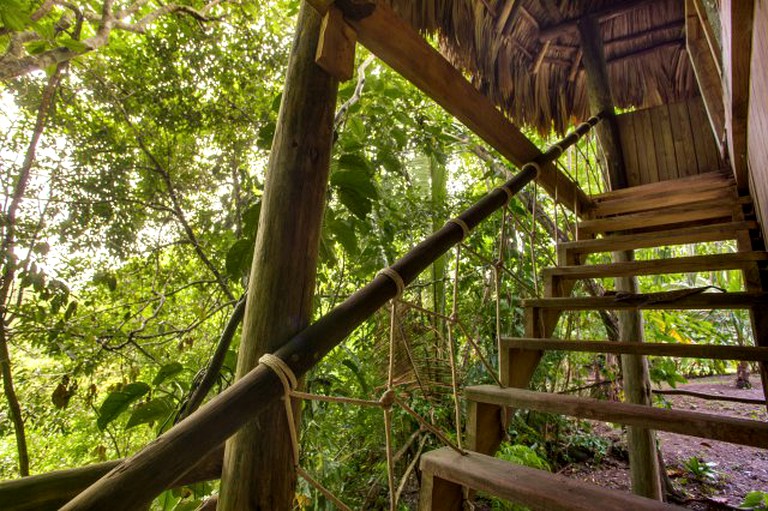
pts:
[140, 478]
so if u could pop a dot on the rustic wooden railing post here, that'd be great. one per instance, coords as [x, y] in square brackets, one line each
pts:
[259, 469]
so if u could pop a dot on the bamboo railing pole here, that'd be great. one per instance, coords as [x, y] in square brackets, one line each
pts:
[140, 478]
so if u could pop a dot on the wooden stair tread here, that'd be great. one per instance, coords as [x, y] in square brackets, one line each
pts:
[711, 351]
[712, 262]
[708, 210]
[536, 489]
[702, 425]
[622, 206]
[698, 182]
[667, 300]
[712, 232]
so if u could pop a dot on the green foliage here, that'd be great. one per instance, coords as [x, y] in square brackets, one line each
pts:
[755, 500]
[702, 471]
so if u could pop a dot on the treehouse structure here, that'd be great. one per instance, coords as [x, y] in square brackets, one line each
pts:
[687, 163]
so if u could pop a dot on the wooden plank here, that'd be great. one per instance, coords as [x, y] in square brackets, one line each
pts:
[400, 46]
[628, 133]
[736, 21]
[706, 70]
[649, 171]
[664, 146]
[708, 210]
[709, 351]
[664, 200]
[703, 141]
[714, 262]
[672, 300]
[702, 425]
[538, 490]
[714, 232]
[685, 184]
[687, 165]
[439, 494]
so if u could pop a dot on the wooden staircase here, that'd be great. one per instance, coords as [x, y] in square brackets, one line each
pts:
[697, 209]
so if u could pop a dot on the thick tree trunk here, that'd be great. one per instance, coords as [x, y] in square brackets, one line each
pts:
[643, 456]
[258, 465]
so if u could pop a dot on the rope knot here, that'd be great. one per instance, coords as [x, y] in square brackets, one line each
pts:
[465, 230]
[395, 277]
[387, 399]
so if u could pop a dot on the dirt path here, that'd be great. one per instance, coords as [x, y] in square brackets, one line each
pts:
[739, 469]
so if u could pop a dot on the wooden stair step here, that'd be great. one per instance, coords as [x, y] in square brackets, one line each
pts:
[710, 351]
[699, 234]
[676, 300]
[713, 262]
[706, 181]
[536, 489]
[709, 210]
[703, 425]
[633, 204]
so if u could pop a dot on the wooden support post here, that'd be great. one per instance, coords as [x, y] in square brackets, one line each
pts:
[484, 427]
[736, 17]
[440, 495]
[258, 463]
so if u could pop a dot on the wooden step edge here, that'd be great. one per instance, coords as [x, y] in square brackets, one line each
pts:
[709, 351]
[700, 234]
[663, 200]
[646, 219]
[689, 264]
[702, 425]
[653, 301]
[536, 489]
[718, 176]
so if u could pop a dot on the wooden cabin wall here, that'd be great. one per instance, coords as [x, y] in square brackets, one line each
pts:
[668, 142]
[757, 123]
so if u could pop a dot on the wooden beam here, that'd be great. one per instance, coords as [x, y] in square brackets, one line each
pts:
[336, 48]
[708, 351]
[714, 232]
[614, 10]
[736, 22]
[673, 198]
[601, 100]
[537, 490]
[672, 300]
[707, 73]
[400, 46]
[697, 182]
[702, 425]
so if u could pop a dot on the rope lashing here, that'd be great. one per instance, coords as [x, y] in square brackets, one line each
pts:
[465, 230]
[396, 278]
[534, 165]
[584, 125]
[559, 148]
[290, 382]
[508, 193]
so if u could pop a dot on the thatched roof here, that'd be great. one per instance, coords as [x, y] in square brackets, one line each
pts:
[499, 45]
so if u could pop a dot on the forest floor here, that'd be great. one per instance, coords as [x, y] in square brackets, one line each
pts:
[738, 469]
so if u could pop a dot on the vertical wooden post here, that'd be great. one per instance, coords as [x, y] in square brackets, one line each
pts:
[643, 459]
[258, 469]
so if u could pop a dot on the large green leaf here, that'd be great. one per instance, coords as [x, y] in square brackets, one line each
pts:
[355, 188]
[117, 402]
[151, 411]
[167, 371]
[239, 258]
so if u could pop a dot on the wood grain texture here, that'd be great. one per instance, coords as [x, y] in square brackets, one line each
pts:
[709, 351]
[702, 425]
[670, 300]
[538, 490]
[758, 115]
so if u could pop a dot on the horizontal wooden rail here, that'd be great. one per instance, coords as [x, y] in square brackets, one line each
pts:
[712, 262]
[145, 475]
[536, 489]
[653, 301]
[711, 351]
[715, 232]
[702, 425]
[50, 491]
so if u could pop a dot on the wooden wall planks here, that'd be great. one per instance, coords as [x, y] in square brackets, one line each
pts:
[757, 125]
[668, 142]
